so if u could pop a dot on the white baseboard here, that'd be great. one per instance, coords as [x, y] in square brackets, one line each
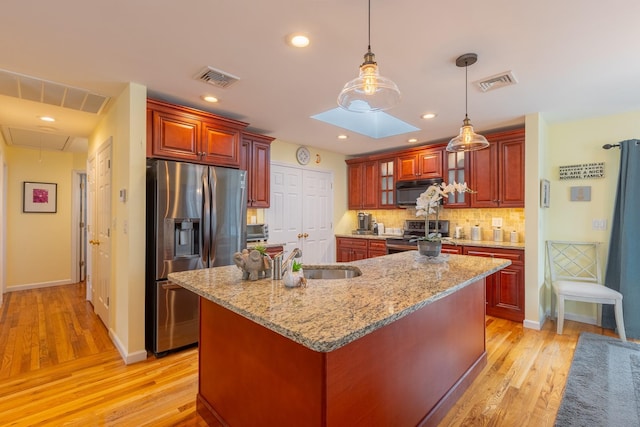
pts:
[38, 285]
[582, 319]
[128, 358]
[531, 324]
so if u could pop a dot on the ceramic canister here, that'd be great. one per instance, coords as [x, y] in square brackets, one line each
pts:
[498, 235]
[514, 236]
[476, 233]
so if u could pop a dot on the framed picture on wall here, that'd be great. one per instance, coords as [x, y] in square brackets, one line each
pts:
[39, 197]
[545, 193]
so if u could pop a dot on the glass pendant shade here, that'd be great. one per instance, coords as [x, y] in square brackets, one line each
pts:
[369, 91]
[467, 139]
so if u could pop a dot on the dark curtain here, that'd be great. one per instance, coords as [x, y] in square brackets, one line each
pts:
[623, 265]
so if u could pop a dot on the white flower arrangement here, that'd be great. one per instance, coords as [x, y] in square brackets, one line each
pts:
[429, 203]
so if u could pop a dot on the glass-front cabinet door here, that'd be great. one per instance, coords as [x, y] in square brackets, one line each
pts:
[387, 183]
[457, 169]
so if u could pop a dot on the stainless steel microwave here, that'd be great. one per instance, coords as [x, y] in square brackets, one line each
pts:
[408, 191]
[257, 232]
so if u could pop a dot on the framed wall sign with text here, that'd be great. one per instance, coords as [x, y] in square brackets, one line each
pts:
[39, 197]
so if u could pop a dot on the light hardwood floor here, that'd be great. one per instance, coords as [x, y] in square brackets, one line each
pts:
[60, 368]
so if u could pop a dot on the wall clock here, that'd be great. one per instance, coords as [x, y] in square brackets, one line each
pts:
[303, 155]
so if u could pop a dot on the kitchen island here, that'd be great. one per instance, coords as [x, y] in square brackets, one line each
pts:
[395, 346]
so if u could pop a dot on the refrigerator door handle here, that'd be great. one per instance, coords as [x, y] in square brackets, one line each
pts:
[205, 242]
[213, 179]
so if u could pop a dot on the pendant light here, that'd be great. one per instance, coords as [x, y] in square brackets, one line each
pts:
[369, 91]
[467, 140]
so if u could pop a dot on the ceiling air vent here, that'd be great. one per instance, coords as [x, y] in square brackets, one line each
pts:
[216, 77]
[38, 90]
[495, 82]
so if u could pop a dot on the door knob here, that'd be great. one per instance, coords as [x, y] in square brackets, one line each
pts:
[305, 235]
[299, 235]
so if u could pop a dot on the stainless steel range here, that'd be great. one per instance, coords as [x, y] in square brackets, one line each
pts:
[414, 228]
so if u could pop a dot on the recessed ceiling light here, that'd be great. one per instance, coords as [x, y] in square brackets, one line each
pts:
[428, 115]
[342, 137]
[210, 98]
[298, 40]
[412, 140]
[47, 118]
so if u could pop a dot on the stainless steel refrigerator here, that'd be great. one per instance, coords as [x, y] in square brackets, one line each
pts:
[196, 218]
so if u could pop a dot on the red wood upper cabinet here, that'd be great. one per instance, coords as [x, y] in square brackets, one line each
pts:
[497, 172]
[220, 144]
[174, 136]
[180, 133]
[386, 183]
[255, 158]
[363, 184]
[457, 169]
[424, 164]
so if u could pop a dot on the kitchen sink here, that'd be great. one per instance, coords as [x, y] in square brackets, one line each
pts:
[328, 272]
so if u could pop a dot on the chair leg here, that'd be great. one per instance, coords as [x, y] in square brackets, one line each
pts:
[560, 320]
[620, 320]
[554, 297]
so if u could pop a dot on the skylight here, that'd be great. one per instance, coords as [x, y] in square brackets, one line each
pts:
[375, 124]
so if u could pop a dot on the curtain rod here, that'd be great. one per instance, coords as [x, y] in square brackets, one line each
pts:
[609, 146]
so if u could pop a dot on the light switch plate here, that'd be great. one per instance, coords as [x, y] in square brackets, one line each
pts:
[496, 222]
[599, 224]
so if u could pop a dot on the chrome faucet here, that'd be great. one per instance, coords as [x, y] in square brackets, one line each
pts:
[280, 266]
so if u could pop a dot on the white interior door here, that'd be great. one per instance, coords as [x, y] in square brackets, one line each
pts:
[101, 232]
[301, 212]
[317, 223]
[285, 213]
[92, 250]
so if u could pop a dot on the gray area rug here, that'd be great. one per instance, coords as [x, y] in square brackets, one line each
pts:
[603, 387]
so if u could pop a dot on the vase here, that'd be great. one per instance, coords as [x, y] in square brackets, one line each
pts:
[428, 248]
[293, 279]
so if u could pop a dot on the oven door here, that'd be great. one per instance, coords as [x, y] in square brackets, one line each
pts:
[400, 245]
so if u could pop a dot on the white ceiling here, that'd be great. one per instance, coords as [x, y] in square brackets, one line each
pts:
[572, 58]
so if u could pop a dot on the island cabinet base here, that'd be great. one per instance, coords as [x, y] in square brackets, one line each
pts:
[407, 373]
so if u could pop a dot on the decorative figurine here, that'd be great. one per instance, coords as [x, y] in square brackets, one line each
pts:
[254, 264]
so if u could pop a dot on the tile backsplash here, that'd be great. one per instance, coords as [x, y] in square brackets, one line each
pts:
[512, 219]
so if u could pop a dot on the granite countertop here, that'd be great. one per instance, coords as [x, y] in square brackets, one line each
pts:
[266, 244]
[461, 242]
[369, 236]
[488, 244]
[328, 314]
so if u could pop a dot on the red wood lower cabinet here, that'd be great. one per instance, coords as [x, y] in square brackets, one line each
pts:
[407, 373]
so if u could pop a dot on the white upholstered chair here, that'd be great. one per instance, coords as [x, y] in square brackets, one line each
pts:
[575, 273]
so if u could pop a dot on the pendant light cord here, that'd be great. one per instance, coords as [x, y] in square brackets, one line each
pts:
[369, 41]
[466, 89]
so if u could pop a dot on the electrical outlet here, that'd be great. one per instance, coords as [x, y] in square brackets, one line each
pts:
[496, 222]
[599, 224]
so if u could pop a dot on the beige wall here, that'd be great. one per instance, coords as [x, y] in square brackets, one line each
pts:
[536, 145]
[39, 244]
[578, 142]
[3, 221]
[125, 122]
